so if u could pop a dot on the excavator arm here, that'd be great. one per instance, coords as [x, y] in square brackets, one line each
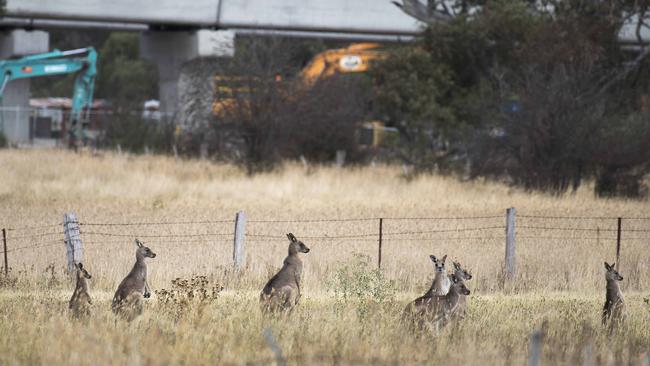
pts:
[82, 61]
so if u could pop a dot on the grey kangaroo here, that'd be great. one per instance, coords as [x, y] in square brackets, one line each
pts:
[464, 275]
[614, 309]
[127, 301]
[441, 281]
[434, 311]
[282, 291]
[80, 301]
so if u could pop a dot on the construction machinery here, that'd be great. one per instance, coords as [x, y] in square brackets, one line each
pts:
[82, 61]
[356, 58]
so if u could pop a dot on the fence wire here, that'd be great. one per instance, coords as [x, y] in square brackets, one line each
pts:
[362, 232]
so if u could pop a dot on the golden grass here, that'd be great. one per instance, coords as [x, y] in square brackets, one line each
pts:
[560, 272]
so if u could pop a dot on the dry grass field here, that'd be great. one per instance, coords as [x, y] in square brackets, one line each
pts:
[184, 211]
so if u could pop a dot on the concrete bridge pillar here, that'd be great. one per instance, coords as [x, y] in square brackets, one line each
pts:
[14, 118]
[171, 49]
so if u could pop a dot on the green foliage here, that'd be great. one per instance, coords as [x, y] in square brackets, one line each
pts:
[3, 140]
[133, 133]
[362, 286]
[123, 77]
[411, 93]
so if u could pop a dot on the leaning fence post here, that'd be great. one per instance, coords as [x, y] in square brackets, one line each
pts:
[4, 243]
[240, 234]
[381, 224]
[618, 240]
[72, 240]
[511, 265]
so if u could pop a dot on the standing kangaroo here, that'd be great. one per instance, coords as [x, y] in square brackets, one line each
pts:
[464, 275]
[441, 282]
[282, 291]
[80, 301]
[614, 310]
[127, 301]
[435, 311]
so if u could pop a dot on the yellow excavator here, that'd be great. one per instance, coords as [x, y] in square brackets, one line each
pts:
[356, 58]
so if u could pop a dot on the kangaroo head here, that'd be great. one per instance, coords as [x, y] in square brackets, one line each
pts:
[461, 272]
[612, 274]
[142, 251]
[459, 285]
[81, 271]
[296, 246]
[439, 264]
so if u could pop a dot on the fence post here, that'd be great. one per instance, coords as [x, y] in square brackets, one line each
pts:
[618, 240]
[340, 158]
[535, 348]
[4, 243]
[511, 263]
[240, 234]
[381, 225]
[273, 344]
[72, 240]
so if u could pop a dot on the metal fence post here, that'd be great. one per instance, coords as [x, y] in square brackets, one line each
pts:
[511, 263]
[535, 348]
[4, 242]
[72, 240]
[381, 225]
[618, 240]
[240, 235]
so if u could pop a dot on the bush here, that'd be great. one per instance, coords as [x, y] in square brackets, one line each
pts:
[3, 140]
[133, 133]
[362, 286]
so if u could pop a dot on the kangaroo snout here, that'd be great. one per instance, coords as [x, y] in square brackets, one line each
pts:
[306, 250]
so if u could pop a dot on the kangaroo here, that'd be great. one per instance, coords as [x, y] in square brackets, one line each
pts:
[282, 291]
[441, 282]
[462, 300]
[80, 301]
[127, 301]
[614, 309]
[435, 311]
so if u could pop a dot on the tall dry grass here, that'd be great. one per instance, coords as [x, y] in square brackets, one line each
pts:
[560, 273]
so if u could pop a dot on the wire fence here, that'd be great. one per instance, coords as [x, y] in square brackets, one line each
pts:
[363, 233]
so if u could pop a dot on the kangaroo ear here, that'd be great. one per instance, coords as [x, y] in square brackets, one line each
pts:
[456, 265]
[291, 237]
[607, 266]
[444, 258]
[80, 265]
[433, 258]
[138, 243]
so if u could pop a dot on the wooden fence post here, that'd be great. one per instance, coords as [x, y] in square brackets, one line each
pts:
[240, 235]
[4, 243]
[618, 240]
[535, 348]
[72, 240]
[381, 225]
[511, 263]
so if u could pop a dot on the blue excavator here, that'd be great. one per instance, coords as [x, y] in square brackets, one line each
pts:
[82, 61]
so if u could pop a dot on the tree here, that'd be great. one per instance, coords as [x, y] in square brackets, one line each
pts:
[537, 88]
[123, 77]
[266, 113]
